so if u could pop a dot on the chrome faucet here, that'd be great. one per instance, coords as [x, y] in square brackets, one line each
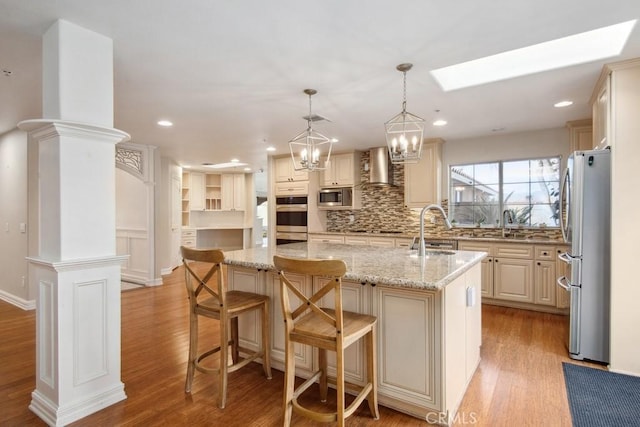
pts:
[509, 219]
[421, 248]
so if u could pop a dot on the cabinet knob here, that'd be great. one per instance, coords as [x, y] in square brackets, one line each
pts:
[544, 253]
[538, 262]
[496, 259]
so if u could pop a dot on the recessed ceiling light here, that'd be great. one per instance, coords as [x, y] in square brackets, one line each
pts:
[580, 48]
[165, 123]
[186, 166]
[563, 104]
[271, 148]
[234, 160]
[247, 169]
[334, 140]
[440, 123]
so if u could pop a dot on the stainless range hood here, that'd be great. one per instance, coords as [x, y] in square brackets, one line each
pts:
[380, 168]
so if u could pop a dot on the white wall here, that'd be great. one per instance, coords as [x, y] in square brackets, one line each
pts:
[13, 212]
[625, 207]
[511, 146]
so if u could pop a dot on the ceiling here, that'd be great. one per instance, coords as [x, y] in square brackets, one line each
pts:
[230, 74]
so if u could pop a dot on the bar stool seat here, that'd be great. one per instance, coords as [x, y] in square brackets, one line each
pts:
[216, 302]
[327, 329]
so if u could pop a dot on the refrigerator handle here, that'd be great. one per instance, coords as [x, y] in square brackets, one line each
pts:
[562, 282]
[564, 191]
[565, 257]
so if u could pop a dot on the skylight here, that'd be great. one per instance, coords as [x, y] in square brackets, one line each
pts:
[580, 48]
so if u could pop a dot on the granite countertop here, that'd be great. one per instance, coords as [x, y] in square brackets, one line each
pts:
[369, 264]
[529, 240]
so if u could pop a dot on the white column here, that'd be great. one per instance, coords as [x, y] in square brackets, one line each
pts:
[76, 270]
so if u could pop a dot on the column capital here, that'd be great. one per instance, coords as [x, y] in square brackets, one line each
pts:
[47, 128]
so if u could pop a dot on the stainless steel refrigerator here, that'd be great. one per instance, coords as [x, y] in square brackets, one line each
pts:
[585, 203]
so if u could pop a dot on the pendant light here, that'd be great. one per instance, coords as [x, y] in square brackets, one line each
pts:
[404, 131]
[310, 150]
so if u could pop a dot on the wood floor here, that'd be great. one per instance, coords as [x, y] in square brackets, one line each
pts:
[519, 381]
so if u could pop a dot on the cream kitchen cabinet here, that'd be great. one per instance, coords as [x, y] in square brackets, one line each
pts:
[325, 238]
[486, 266]
[285, 172]
[519, 274]
[356, 240]
[233, 192]
[422, 181]
[188, 238]
[615, 103]
[294, 188]
[197, 191]
[580, 135]
[545, 276]
[343, 170]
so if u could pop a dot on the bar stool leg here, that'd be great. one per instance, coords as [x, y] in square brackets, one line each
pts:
[193, 351]
[372, 375]
[322, 365]
[289, 381]
[235, 343]
[224, 362]
[340, 385]
[266, 343]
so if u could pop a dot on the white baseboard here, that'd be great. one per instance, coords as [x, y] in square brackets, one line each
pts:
[17, 301]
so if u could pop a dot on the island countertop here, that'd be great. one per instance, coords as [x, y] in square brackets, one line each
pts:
[384, 266]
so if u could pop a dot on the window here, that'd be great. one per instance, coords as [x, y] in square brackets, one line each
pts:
[528, 189]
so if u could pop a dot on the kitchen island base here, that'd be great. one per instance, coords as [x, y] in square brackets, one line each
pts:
[428, 339]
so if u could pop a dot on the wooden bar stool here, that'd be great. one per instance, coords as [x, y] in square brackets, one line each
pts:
[216, 302]
[326, 329]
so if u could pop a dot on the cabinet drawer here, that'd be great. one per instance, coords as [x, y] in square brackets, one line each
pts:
[381, 241]
[476, 246]
[188, 233]
[297, 188]
[514, 251]
[189, 242]
[403, 243]
[350, 240]
[545, 252]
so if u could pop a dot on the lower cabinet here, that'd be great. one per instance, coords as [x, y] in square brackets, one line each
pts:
[513, 279]
[520, 273]
[428, 342]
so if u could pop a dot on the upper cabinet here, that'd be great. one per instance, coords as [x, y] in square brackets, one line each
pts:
[233, 192]
[285, 172]
[197, 191]
[615, 103]
[343, 170]
[580, 135]
[212, 192]
[422, 180]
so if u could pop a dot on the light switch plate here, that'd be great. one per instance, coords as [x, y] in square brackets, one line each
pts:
[23, 227]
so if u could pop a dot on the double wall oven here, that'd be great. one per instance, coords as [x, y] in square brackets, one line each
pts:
[291, 219]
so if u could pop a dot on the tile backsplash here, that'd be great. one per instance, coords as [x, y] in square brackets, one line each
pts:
[383, 209]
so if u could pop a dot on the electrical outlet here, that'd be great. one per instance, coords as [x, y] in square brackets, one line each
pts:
[352, 218]
[23, 282]
[6, 227]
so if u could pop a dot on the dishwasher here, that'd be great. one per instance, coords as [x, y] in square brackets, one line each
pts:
[433, 243]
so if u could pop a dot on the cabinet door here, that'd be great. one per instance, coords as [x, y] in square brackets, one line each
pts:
[227, 192]
[285, 172]
[355, 298]
[249, 324]
[408, 345]
[197, 192]
[512, 279]
[340, 171]
[422, 180]
[304, 354]
[545, 283]
[486, 288]
[233, 194]
[601, 116]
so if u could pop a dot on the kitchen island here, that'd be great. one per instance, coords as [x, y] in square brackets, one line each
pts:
[428, 310]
